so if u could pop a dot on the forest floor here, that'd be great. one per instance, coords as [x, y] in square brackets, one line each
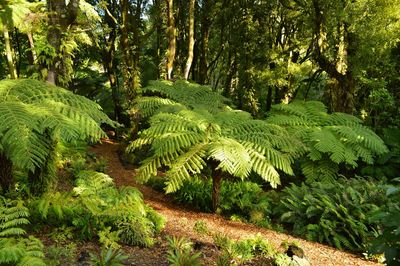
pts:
[181, 221]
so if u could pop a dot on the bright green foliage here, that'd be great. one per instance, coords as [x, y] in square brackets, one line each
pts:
[109, 257]
[237, 252]
[15, 248]
[180, 253]
[187, 140]
[96, 205]
[242, 200]
[336, 213]
[179, 95]
[331, 139]
[388, 241]
[34, 113]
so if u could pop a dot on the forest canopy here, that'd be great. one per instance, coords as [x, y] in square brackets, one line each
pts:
[280, 113]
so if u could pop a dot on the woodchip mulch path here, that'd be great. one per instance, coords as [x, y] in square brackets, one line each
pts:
[181, 220]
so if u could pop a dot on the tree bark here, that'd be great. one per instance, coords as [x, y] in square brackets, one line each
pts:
[61, 17]
[109, 60]
[6, 174]
[342, 86]
[205, 34]
[191, 40]
[171, 31]
[9, 53]
[216, 189]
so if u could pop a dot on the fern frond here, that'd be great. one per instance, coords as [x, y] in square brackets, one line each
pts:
[233, 157]
[33, 113]
[187, 164]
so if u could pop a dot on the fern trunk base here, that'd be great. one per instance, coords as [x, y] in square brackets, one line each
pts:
[217, 178]
[6, 175]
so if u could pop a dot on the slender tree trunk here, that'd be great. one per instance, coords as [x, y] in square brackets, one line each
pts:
[9, 53]
[191, 40]
[171, 38]
[205, 35]
[61, 16]
[6, 174]
[216, 189]
[32, 46]
[129, 73]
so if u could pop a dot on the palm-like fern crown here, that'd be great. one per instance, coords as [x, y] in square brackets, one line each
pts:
[29, 108]
[185, 138]
[338, 137]
[175, 96]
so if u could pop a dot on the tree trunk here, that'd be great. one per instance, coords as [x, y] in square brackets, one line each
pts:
[61, 17]
[341, 89]
[9, 53]
[171, 38]
[6, 174]
[205, 34]
[191, 40]
[216, 189]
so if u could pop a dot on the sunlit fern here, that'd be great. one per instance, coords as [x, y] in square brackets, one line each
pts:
[34, 114]
[332, 139]
[187, 138]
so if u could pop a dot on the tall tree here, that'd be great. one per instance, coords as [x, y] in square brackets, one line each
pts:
[61, 17]
[171, 32]
[191, 40]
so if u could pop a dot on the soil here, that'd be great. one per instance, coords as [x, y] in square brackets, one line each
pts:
[181, 221]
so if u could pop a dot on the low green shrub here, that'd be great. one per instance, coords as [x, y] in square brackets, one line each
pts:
[16, 248]
[388, 241]
[239, 200]
[108, 257]
[181, 252]
[336, 213]
[95, 205]
[238, 252]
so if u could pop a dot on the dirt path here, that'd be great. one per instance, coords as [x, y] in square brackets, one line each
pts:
[180, 221]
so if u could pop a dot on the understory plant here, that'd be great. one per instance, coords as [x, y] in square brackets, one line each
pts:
[35, 117]
[16, 247]
[337, 213]
[96, 207]
[388, 240]
[181, 252]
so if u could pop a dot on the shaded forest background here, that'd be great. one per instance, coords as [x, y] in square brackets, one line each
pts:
[255, 52]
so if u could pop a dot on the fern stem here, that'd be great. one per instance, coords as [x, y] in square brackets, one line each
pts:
[216, 178]
[6, 176]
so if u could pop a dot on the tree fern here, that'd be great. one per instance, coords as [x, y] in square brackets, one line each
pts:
[204, 132]
[177, 96]
[331, 139]
[15, 247]
[35, 114]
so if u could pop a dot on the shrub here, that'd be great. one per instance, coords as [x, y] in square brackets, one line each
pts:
[181, 253]
[241, 199]
[109, 257]
[96, 205]
[388, 241]
[15, 247]
[238, 252]
[336, 213]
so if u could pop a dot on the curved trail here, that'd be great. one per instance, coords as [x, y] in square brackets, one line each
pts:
[180, 221]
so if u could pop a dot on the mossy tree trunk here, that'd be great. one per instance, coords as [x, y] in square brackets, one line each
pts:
[6, 174]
